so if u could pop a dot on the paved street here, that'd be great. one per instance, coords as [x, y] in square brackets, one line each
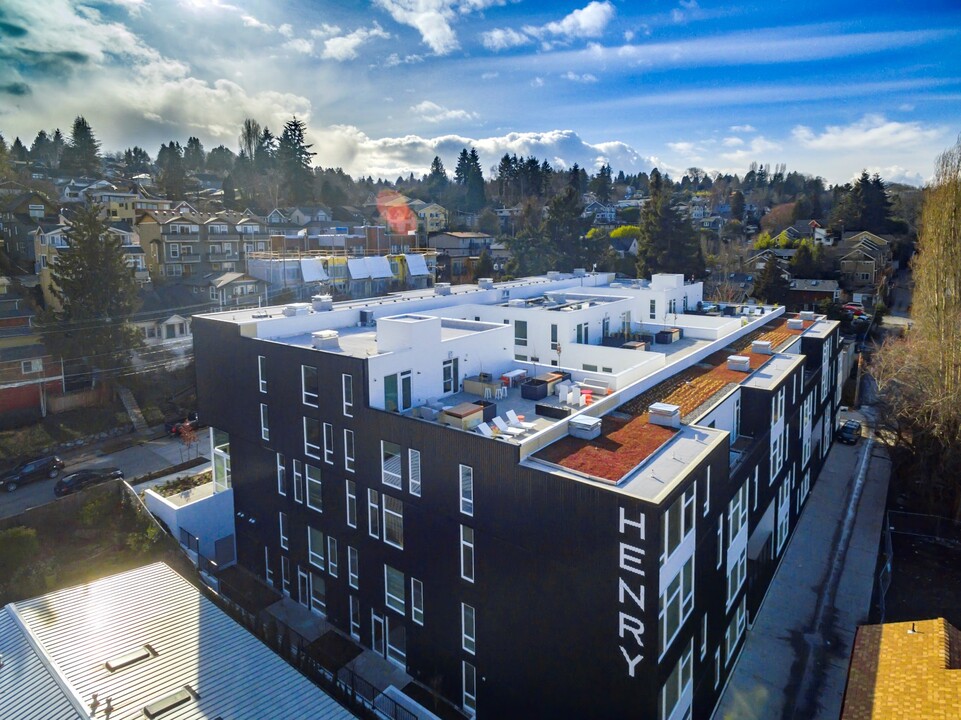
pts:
[145, 457]
[794, 663]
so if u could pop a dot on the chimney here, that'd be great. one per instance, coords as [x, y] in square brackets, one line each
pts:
[795, 324]
[442, 288]
[739, 363]
[322, 303]
[664, 415]
[325, 339]
[761, 347]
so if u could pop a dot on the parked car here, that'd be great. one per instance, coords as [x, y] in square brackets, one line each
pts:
[854, 308]
[80, 479]
[190, 420]
[850, 433]
[30, 470]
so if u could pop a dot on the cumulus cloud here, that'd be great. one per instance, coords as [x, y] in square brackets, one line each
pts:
[587, 22]
[742, 128]
[896, 174]
[537, 82]
[871, 131]
[287, 30]
[251, 21]
[574, 77]
[300, 45]
[394, 59]
[757, 146]
[433, 19]
[325, 31]
[732, 142]
[345, 47]
[504, 38]
[434, 113]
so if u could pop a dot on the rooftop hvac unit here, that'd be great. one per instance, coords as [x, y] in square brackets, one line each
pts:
[367, 318]
[739, 363]
[519, 302]
[795, 324]
[442, 288]
[584, 427]
[322, 303]
[296, 309]
[761, 347]
[616, 285]
[579, 272]
[807, 315]
[325, 339]
[664, 415]
[486, 283]
[553, 275]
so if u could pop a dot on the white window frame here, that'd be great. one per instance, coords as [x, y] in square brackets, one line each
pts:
[466, 480]
[281, 475]
[707, 493]
[373, 513]
[310, 450]
[350, 489]
[262, 373]
[285, 575]
[683, 510]
[417, 601]
[396, 517]
[734, 631]
[284, 537]
[469, 700]
[268, 573]
[311, 399]
[413, 471]
[467, 551]
[353, 567]
[332, 559]
[264, 423]
[298, 472]
[393, 601]
[315, 551]
[682, 597]
[355, 617]
[468, 628]
[391, 478]
[328, 443]
[349, 450]
[347, 387]
[314, 480]
[685, 666]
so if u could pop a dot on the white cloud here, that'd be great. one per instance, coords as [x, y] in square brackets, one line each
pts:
[433, 18]
[325, 31]
[345, 48]
[574, 77]
[251, 21]
[732, 142]
[689, 151]
[300, 45]
[896, 174]
[743, 128]
[434, 113]
[872, 131]
[503, 38]
[537, 82]
[587, 22]
[757, 147]
[287, 30]
[394, 60]
[490, 75]
[906, 107]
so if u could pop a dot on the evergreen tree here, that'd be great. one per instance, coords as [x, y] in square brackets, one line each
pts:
[136, 160]
[484, 267]
[476, 198]
[4, 158]
[18, 153]
[81, 157]
[462, 169]
[194, 156]
[565, 229]
[771, 286]
[229, 193]
[220, 161]
[265, 151]
[602, 184]
[807, 260]
[437, 180]
[58, 145]
[97, 294]
[41, 150]
[667, 242]
[294, 163]
[170, 162]
[737, 205]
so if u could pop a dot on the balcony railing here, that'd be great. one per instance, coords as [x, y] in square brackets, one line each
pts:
[223, 256]
[182, 258]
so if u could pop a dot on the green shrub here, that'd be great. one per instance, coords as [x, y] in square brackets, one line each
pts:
[19, 547]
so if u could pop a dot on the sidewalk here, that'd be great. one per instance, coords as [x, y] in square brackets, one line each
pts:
[794, 663]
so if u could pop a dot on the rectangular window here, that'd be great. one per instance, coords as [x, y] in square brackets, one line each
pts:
[653, 312]
[451, 376]
[417, 601]
[390, 464]
[332, 556]
[355, 617]
[262, 373]
[707, 492]
[309, 385]
[677, 522]
[467, 490]
[281, 475]
[736, 574]
[373, 513]
[396, 643]
[704, 636]
[285, 574]
[318, 593]
[312, 437]
[467, 553]
[413, 470]
[283, 530]
[468, 637]
[717, 668]
[353, 567]
[470, 688]
[349, 450]
[328, 443]
[677, 683]
[394, 589]
[734, 631]
[554, 343]
[268, 573]
[351, 503]
[783, 512]
[315, 495]
[298, 481]
[720, 542]
[315, 547]
[264, 426]
[520, 333]
[393, 521]
[348, 383]
[676, 603]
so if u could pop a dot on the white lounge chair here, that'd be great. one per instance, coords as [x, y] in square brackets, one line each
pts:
[485, 430]
[516, 422]
[504, 428]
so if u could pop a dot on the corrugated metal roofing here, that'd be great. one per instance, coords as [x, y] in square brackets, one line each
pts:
[232, 673]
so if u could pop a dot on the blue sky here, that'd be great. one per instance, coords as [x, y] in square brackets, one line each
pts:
[828, 88]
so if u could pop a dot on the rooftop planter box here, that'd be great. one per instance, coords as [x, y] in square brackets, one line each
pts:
[490, 409]
[534, 389]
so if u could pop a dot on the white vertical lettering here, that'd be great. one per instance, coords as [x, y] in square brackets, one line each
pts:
[631, 661]
[631, 559]
[640, 524]
[625, 589]
[631, 625]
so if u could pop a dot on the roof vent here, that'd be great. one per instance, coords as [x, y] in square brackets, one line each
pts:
[486, 283]
[664, 415]
[322, 303]
[580, 272]
[169, 702]
[795, 324]
[761, 347]
[133, 657]
[325, 339]
[807, 315]
[553, 275]
[519, 302]
[296, 309]
[616, 285]
[442, 288]
[741, 363]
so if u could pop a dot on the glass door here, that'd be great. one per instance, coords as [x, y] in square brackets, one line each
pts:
[390, 393]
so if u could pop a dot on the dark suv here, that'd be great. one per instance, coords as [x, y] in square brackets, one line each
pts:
[30, 470]
[80, 479]
[850, 433]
